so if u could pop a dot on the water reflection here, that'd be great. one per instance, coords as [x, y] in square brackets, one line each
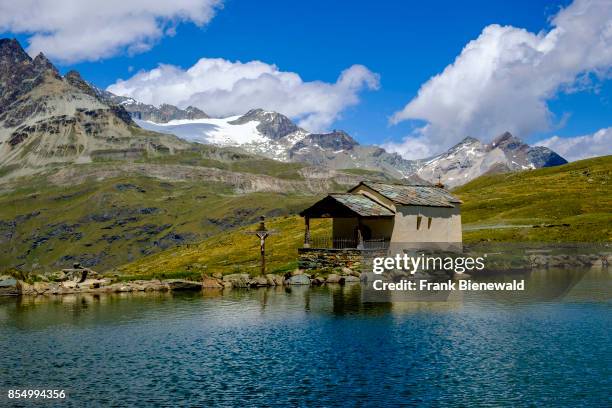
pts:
[317, 346]
[338, 300]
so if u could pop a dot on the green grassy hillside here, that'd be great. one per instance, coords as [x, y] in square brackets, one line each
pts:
[570, 203]
[113, 221]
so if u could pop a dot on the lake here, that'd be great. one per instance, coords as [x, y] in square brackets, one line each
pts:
[300, 346]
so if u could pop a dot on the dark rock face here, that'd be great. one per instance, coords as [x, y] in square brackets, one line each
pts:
[271, 124]
[336, 140]
[170, 112]
[42, 65]
[122, 114]
[505, 141]
[542, 156]
[8, 228]
[18, 72]
[536, 156]
[191, 112]
[162, 114]
[75, 79]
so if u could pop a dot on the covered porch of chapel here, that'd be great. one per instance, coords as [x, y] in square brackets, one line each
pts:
[358, 222]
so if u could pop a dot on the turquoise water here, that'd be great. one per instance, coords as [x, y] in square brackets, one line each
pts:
[550, 346]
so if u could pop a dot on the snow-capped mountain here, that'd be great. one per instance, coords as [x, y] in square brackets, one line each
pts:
[265, 133]
[275, 136]
[471, 158]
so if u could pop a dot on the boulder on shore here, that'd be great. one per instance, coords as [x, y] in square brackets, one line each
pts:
[297, 272]
[299, 280]
[211, 282]
[258, 281]
[346, 271]
[58, 276]
[8, 286]
[274, 280]
[236, 280]
[333, 278]
[317, 281]
[79, 274]
[182, 284]
[69, 284]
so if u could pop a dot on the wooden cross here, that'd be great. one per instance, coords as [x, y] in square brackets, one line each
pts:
[262, 233]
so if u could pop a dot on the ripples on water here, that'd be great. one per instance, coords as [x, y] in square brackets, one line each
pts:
[316, 347]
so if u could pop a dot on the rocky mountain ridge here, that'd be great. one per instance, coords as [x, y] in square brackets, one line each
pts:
[471, 158]
[160, 114]
[46, 118]
[273, 135]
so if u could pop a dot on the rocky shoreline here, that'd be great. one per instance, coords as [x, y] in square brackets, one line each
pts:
[84, 280]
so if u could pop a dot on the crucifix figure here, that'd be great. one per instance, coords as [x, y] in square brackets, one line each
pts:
[262, 233]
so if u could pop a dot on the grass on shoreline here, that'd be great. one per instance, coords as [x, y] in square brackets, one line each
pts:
[231, 252]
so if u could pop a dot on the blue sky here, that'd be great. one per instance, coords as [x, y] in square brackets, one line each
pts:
[404, 43]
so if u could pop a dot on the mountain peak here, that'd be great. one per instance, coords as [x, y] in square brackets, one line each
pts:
[46, 119]
[169, 112]
[506, 139]
[42, 65]
[42, 60]
[468, 143]
[73, 75]
[470, 158]
[18, 72]
[253, 112]
[469, 140]
[271, 124]
[262, 115]
[194, 110]
[335, 140]
[10, 48]
[74, 78]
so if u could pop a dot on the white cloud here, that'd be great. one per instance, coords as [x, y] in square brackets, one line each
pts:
[411, 148]
[581, 147]
[223, 88]
[503, 79]
[76, 30]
